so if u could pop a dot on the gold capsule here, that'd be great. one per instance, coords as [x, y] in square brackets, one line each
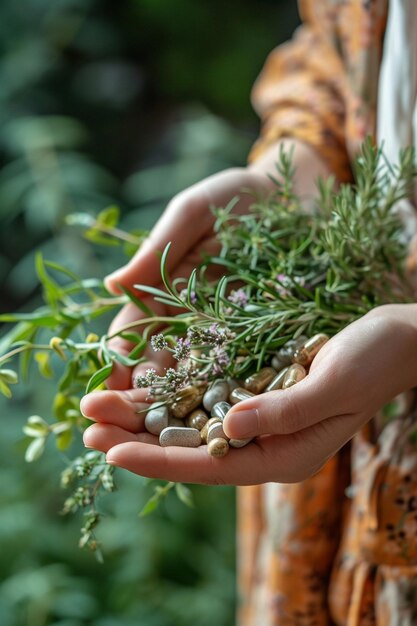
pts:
[306, 353]
[204, 430]
[218, 447]
[197, 419]
[276, 383]
[257, 382]
[294, 374]
[186, 400]
[239, 394]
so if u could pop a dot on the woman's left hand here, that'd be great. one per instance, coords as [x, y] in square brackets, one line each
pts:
[296, 430]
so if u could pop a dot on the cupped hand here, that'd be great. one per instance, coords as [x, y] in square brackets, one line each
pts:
[188, 224]
[295, 431]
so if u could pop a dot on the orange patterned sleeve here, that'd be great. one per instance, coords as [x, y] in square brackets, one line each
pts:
[301, 91]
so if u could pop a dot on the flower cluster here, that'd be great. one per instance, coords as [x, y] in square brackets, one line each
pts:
[284, 284]
[238, 297]
[158, 342]
[214, 335]
[182, 349]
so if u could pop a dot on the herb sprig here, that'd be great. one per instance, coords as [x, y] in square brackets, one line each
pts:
[287, 272]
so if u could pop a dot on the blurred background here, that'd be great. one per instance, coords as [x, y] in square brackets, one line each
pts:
[102, 103]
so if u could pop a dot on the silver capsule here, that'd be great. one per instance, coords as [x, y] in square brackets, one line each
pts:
[220, 409]
[239, 394]
[218, 392]
[306, 353]
[294, 374]
[239, 443]
[156, 418]
[180, 436]
[257, 382]
[277, 382]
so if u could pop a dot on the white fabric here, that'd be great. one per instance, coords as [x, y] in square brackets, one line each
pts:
[397, 96]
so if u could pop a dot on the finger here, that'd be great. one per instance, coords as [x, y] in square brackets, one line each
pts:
[316, 398]
[126, 409]
[277, 458]
[191, 206]
[121, 376]
[102, 436]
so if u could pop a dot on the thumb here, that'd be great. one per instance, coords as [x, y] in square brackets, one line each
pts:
[283, 412]
[185, 220]
[143, 267]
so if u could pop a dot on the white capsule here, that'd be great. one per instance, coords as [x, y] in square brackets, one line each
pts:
[180, 436]
[218, 392]
[156, 418]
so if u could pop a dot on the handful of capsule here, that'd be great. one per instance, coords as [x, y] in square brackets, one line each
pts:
[197, 413]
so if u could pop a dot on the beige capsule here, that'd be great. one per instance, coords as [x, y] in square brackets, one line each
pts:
[186, 400]
[239, 394]
[218, 447]
[294, 374]
[277, 382]
[204, 430]
[197, 419]
[180, 436]
[214, 431]
[306, 353]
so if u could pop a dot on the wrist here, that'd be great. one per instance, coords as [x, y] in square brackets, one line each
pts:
[307, 163]
[401, 319]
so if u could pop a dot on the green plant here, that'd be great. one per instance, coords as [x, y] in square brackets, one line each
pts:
[288, 272]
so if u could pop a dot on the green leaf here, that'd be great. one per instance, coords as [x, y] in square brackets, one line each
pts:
[121, 358]
[9, 376]
[36, 427]
[99, 377]
[150, 506]
[38, 318]
[64, 438]
[109, 217]
[43, 361]
[137, 301]
[5, 389]
[35, 449]
[184, 494]
[52, 291]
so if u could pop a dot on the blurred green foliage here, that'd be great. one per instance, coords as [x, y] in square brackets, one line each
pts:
[113, 103]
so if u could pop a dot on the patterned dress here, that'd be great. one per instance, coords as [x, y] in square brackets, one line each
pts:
[341, 547]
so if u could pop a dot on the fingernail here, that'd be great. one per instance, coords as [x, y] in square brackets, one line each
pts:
[241, 424]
